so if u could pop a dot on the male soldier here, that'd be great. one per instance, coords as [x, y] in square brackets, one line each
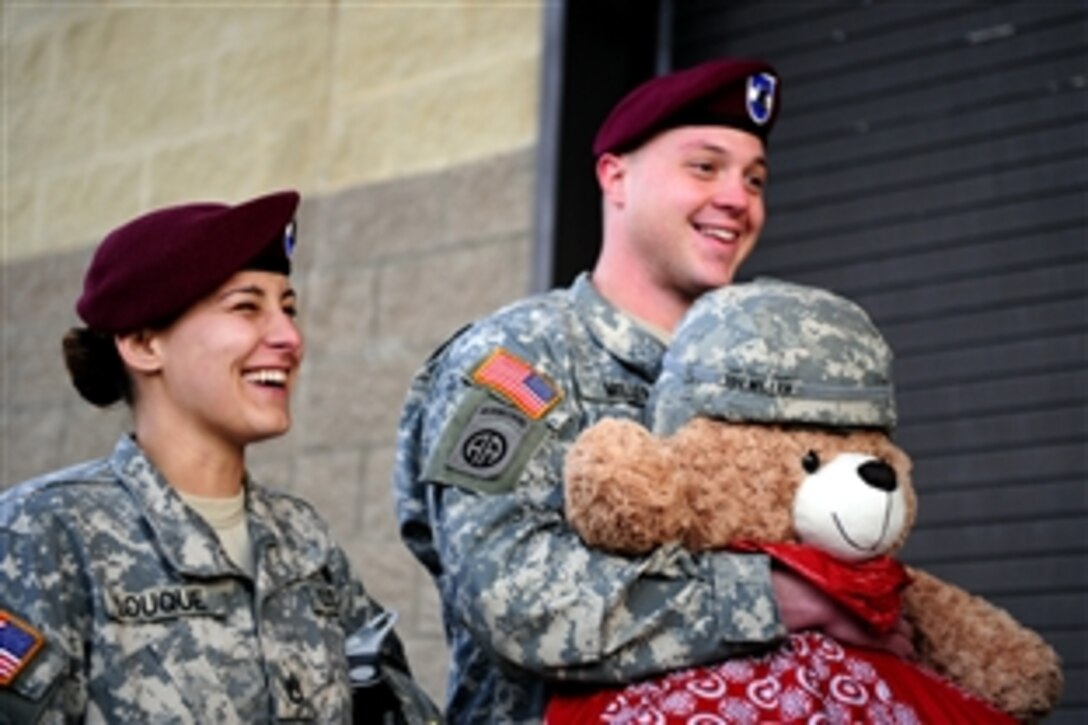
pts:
[478, 482]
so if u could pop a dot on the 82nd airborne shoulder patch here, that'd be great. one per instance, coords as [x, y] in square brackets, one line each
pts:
[497, 425]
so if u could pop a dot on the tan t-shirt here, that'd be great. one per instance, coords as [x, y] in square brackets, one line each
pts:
[228, 517]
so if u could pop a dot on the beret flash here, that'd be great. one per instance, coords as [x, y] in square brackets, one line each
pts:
[155, 266]
[736, 92]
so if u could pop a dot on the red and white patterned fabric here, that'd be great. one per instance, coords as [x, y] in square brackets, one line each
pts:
[810, 679]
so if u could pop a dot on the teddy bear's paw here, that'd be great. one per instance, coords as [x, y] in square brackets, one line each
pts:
[619, 492]
[1027, 682]
[983, 648]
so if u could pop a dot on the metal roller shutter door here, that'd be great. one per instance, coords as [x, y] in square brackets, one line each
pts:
[932, 163]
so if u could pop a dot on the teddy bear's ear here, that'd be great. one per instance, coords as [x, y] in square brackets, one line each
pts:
[620, 495]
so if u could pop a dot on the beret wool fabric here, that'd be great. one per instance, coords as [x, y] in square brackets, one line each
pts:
[157, 265]
[737, 92]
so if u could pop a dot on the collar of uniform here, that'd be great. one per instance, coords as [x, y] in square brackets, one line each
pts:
[617, 331]
[191, 545]
[288, 541]
[187, 541]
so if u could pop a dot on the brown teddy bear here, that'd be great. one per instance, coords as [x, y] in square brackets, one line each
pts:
[771, 432]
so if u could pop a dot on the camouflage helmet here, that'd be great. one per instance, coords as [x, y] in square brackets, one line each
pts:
[775, 352]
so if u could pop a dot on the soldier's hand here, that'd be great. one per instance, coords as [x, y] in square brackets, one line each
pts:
[803, 606]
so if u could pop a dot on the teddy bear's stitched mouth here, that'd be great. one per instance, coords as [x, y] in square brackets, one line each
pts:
[879, 539]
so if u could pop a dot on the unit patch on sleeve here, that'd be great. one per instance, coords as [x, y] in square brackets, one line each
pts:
[488, 442]
[19, 643]
[517, 381]
[485, 446]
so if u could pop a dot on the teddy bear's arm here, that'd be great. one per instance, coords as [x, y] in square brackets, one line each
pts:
[982, 648]
[619, 493]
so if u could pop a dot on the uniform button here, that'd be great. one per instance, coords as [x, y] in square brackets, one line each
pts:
[294, 689]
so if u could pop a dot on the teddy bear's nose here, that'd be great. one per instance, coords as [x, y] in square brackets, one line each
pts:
[878, 474]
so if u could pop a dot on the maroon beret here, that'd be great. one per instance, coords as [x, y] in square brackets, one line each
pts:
[736, 92]
[156, 266]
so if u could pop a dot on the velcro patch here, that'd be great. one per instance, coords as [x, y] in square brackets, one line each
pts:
[162, 603]
[326, 600]
[517, 381]
[485, 446]
[488, 443]
[19, 643]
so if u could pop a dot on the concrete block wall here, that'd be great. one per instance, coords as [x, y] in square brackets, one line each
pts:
[410, 130]
[113, 107]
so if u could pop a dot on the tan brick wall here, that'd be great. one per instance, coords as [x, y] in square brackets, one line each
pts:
[410, 128]
[113, 108]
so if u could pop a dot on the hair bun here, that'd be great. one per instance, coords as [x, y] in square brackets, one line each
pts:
[95, 366]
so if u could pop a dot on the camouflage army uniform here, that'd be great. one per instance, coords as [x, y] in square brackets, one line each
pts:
[144, 619]
[480, 502]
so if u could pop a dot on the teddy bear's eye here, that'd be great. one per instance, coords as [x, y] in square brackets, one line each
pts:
[811, 462]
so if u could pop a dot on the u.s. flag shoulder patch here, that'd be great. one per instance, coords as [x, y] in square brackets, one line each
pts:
[515, 380]
[19, 643]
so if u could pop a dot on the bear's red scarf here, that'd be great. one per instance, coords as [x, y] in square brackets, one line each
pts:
[872, 589]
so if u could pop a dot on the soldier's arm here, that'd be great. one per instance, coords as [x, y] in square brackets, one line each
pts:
[524, 583]
[43, 612]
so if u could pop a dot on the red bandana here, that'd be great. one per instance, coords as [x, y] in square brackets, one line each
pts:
[870, 589]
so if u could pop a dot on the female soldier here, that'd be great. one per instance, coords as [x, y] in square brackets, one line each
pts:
[162, 584]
